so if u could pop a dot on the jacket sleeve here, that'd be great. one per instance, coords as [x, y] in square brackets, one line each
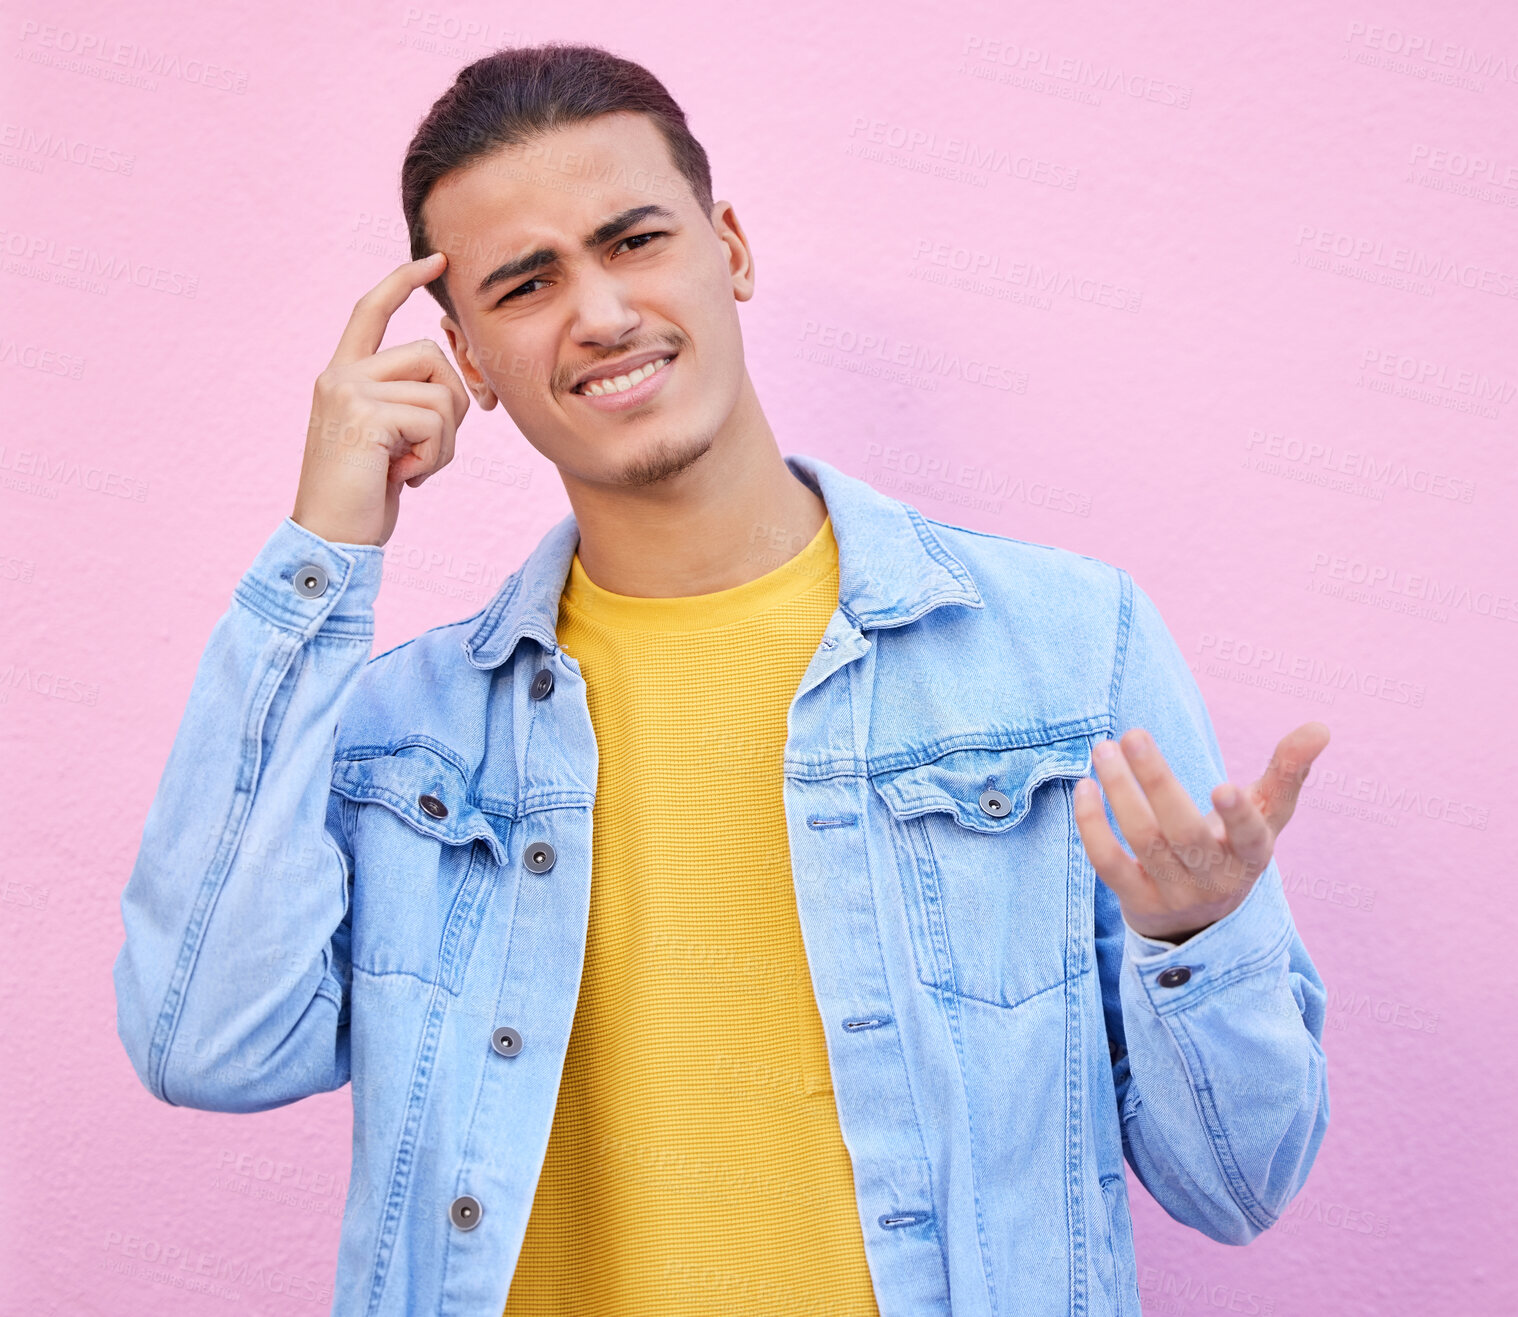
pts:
[1221, 1079]
[232, 983]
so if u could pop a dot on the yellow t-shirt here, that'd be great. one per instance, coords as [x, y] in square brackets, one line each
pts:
[696, 1165]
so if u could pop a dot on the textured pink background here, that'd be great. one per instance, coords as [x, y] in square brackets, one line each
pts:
[1272, 375]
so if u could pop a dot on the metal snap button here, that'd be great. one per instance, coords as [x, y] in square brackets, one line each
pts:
[542, 683]
[539, 856]
[995, 803]
[506, 1041]
[1173, 977]
[465, 1212]
[433, 806]
[311, 581]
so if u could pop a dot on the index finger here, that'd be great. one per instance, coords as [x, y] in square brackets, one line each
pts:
[371, 313]
[1170, 805]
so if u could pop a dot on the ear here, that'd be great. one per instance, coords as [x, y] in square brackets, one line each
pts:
[469, 370]
[740, 256]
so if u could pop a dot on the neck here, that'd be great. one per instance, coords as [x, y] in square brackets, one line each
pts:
[734, 514]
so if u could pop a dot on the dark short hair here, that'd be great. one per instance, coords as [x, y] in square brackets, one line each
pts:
[522, 92]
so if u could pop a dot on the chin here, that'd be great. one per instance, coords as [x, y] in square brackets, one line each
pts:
[659, 458]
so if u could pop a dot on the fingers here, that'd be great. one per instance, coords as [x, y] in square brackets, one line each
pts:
[437, 398]
[1179, 820]
[1277, 788]
[1182, 863]
[1113, 865]
[365, 330]
[1183, 857]
[422, 360]
[423, 429]
[1155, 823]
[419, 373]
[1244, 827]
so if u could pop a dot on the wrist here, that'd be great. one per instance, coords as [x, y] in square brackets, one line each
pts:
[1181, 936]
[332, 531]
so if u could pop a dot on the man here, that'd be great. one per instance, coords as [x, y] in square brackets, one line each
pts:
[866, 1002]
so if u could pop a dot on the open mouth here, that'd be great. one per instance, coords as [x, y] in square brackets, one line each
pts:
[611, 385]
[628, 390]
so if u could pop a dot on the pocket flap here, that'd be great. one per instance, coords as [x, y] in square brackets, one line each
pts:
[954, 782]
[400, 778]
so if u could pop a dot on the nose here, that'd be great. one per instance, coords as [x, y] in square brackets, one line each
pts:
[604, 313]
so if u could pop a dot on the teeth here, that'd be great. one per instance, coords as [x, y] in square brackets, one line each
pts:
[621, 383]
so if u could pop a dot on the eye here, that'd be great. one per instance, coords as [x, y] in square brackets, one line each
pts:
[642, 239]
[519, 288]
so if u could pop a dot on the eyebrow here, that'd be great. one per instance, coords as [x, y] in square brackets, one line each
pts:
[602, 233]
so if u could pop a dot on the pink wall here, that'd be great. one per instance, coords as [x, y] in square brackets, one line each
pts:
[1271, 372]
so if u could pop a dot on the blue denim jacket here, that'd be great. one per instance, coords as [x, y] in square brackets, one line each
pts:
[377, 870]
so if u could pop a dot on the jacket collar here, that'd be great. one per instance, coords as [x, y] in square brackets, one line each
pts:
[892, 568]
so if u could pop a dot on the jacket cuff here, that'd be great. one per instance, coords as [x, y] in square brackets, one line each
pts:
[306, 584]
[1249, 938]
[1149, 945]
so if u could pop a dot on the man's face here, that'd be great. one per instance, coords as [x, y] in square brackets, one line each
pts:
[540, 312]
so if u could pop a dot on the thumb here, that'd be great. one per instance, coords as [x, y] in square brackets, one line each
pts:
[1275, 791]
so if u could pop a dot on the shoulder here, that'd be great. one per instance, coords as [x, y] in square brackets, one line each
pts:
[1025, 577]
[1036, 657]
[423, 687]
[436, 649]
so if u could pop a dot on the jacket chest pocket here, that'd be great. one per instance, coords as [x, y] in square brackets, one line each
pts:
[425, 862]
[987, 848]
